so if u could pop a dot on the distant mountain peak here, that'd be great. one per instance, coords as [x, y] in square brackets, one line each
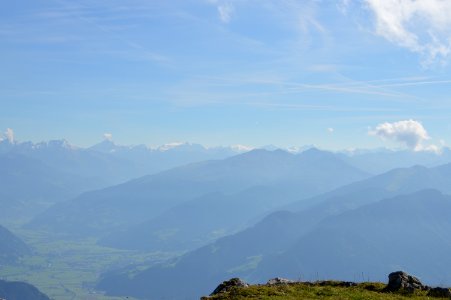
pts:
[313, 152]
[63, 143]
[269, 147]
[109, 146]
[241, 148]
[169, 146]
[106, 146]
[260, 151]
[261, 155]
[297, 149]
[181, 146]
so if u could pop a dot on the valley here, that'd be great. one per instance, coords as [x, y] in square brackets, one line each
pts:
[69, 269]
[259, 214]
[155, 150]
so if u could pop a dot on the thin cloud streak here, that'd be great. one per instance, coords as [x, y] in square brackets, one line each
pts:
[417, 83]
[337, 87]
[82, 13]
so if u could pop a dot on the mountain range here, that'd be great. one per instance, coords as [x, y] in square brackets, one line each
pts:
[378, 161]
[258, 251]
[55, 171]
[233, 212]
[408, 232]
[112, 163]
[259, 178]
[205, 218]
[36, 175]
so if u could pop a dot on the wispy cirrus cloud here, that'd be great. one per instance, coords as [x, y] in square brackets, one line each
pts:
[225, 12]
[225, 9]
[98, 28]
[423, 27]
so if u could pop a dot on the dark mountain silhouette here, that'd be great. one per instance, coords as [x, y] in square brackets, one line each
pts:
[16, 290]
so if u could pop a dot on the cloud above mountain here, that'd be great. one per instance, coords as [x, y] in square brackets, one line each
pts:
[9, 135]
[108, 136]
[409, 133]
[423, 27]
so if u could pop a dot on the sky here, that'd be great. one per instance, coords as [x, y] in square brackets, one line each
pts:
[335, 74]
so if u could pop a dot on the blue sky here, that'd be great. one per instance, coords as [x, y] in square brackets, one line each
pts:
[223, 72]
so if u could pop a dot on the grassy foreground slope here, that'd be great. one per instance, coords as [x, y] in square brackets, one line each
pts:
[317, 290]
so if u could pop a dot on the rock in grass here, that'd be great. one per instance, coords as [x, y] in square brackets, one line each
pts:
[401, 281]
[278, 281]
[229, 284]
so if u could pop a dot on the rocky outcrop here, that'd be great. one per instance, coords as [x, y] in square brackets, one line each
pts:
[278, 281]
[439, 292]
[229, 284]
[401, 281]
[398, 282]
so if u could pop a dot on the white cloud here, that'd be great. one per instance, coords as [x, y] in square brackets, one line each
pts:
[108, 136]
[225, 9]
[409, 133]
[330, 130]
[432, 148]
[423, 27]
[9, 135]
[225, 12]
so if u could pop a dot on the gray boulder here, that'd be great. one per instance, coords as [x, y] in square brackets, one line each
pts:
[278, 281]
[228, 285]
[401, 281]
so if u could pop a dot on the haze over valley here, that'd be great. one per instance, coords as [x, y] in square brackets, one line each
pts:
[156, 150]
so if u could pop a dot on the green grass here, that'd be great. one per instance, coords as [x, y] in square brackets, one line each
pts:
[318, 290]
[68, 269]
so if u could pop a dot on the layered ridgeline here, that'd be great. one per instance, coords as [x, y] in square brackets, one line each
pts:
[16, 290]
[146, 160]
[199, 221]
[55, 171]
[382, 160]
[11, 247]
[410, 232]
[34, 176]
[189, 205]
[28, 186]
[111, 163]
[348, 231]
